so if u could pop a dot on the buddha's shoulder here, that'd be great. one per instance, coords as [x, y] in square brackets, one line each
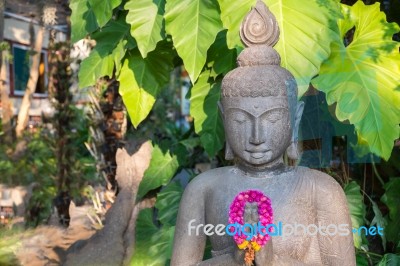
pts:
[319, 180]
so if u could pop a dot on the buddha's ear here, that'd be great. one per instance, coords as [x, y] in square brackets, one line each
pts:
[221, 109]
[297, 118]
[292, 151]
[228, 151]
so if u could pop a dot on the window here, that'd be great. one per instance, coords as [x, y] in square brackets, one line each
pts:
[20, 67]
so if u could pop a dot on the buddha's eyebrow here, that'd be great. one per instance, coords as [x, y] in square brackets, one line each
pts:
[267, 111]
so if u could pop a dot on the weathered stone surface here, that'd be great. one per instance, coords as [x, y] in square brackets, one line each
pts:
[110, 245]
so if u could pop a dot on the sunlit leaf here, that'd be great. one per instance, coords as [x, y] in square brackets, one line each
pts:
[94, 67]
[362, 78]
[204, 99]
[146, 19]
[162, 168]
[193, 25]
[306, 31]
[103, 9]
[141, 80]
[83, 20]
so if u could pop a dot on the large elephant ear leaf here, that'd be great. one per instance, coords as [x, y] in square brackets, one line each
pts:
[141, 80]
[193, 25]
[306, 32]
[146, 20]
[363, 77]
[204, 109]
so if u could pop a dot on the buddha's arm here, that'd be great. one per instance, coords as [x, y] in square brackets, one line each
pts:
[189, 245]
[333, 215]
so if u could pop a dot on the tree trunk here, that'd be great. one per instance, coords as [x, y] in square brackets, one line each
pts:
[5, 100]
[23, 113]
[4, 85]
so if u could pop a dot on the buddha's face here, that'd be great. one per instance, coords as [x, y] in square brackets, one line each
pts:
[257, 129]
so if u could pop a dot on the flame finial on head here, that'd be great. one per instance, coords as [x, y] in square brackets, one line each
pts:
[259, 27]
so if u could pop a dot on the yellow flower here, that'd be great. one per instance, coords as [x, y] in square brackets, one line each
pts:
[243, 245]
[255, 246]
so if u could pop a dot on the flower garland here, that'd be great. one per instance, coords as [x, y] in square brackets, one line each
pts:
[236, 215]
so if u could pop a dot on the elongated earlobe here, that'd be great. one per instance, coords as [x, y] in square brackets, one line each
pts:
[292, 151]
[228, 152]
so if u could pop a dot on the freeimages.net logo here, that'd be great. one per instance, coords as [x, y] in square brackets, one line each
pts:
[279, 229]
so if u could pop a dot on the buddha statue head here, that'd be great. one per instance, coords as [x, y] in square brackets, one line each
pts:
[259, 98]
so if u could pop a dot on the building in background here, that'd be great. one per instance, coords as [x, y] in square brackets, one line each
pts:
[21, 21]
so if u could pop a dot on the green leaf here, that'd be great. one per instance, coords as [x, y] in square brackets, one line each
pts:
[193, 25]
[220, 58]
[356, 209]
[153, 245]
[190, 143]
[103, 10]
[108, 37]
[83, 20]
[390, 260]
[162, 168]
[306, 31]
[111, 42]
[362, 78]
[118, 54]
[208, 124]
[146, 19]
[361, 260]
[94, 67]
[378, 220]
[113, 38]
[141, 80]
[168, 203]
[232, 15]
[392, 200]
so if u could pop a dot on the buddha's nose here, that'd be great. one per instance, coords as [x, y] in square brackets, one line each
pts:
[257, 136]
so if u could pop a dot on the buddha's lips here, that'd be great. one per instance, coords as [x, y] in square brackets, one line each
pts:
[257, 154]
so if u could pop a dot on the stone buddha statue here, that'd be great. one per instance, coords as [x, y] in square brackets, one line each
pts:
[308, 208]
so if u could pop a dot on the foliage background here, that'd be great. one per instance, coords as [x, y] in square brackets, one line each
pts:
[345, 51]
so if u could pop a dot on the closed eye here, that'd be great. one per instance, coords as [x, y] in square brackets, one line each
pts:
[240, 121]
[240, 118]
[274, 115]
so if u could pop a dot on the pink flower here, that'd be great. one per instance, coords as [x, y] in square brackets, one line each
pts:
[236, 212]
[263, 198]
[253, 194]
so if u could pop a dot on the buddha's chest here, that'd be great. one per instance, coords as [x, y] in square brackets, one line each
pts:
[288, 208]
[293, 209]
[292, 198]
